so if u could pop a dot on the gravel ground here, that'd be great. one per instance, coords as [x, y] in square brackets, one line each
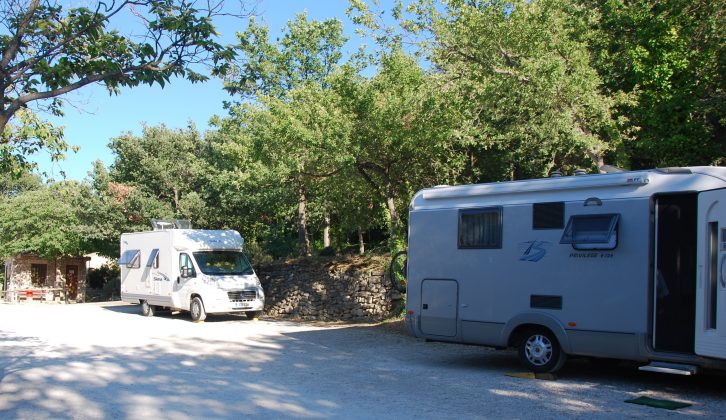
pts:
[106, 361]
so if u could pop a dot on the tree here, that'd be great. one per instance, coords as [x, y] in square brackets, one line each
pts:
[49, 51]
[12, 185]
[25, 136]
[163, 163]
[282, 76]
[404, 133]
[664, 61]
[524, 75]
[305, 139]
[42, 221]
[308, 52]
[107, 209]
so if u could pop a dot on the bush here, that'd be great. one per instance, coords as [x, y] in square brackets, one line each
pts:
[257, 254]
[98, 277]
[112, 289]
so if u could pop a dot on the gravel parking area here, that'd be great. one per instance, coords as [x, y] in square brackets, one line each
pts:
[99, 361]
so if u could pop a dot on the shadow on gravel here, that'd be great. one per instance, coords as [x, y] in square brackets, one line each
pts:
[219, 369]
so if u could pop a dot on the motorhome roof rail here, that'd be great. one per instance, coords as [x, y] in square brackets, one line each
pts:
[550, 184]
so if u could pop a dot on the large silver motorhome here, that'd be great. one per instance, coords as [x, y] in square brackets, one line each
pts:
[626, 265]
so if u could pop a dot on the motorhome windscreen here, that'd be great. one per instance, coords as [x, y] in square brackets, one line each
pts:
[223, 262]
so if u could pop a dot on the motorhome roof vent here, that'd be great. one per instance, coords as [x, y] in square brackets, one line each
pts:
[579, 172]
[674, 171]
[555, 173]
[166, 224]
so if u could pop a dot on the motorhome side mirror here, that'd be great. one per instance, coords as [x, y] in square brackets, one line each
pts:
[187, 272]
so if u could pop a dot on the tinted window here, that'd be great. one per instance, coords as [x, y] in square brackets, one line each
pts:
[153, 260]
[480, 228]
[222, 262]
[591, 231]
[548, 215]
[185, 263]
[130, 258]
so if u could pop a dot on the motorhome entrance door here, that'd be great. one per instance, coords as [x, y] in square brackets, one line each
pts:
[438, 307]
[674, 291]
[711, 291]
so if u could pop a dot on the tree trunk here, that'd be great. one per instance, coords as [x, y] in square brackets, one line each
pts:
[177, 211]
[597, 159]
[302, 228]
[361, 244]
[391, 206]
[326, 232]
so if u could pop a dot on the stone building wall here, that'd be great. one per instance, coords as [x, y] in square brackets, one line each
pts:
[314, 288]
[19, 273]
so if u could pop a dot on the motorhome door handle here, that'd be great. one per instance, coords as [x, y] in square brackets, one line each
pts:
[723, 280]
[464, 305]
[425, 306]
[178, 280]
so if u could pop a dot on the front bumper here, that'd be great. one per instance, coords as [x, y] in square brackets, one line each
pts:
[236, 301]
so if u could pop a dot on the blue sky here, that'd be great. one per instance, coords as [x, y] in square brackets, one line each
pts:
[92, 117]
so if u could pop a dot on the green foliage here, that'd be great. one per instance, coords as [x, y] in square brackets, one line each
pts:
[404, 131]
[13, 183]
[42, 221]
[308, 52]
[27, 136]
[164, 164]
[98, 278]
[526, 85]
[458, 92]
[48, 50]
[112, 288]
[664, 62]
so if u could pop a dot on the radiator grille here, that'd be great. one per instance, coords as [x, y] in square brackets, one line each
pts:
[242, 296]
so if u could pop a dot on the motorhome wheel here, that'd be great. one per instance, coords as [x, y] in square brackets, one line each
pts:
[540, 351]
[146, 309]
[253, 314]
[197, 310]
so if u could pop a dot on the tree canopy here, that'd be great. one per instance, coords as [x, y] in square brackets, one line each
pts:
[48, 50]
[321, 153]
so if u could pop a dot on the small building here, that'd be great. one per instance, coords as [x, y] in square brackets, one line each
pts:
[30, 276]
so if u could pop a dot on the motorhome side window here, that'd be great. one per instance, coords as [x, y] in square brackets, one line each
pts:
[153, 260]
[186, 268]
[592, 231]
[131, 258]
[480, 228]
[548, 215]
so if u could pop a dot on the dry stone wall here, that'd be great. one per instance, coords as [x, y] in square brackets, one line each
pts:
[313, 288]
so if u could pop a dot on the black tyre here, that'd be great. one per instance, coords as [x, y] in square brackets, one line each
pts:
[197, 309]
[253, 314]
[540, 352]
[146, 309]
[397, 271]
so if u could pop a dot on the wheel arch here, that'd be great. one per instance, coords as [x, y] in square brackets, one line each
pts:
[525, 321]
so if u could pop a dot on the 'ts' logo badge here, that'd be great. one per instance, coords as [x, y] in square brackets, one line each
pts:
[534, 250]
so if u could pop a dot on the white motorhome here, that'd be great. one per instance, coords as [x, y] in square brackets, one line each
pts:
[183, 269]
[625, 265]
